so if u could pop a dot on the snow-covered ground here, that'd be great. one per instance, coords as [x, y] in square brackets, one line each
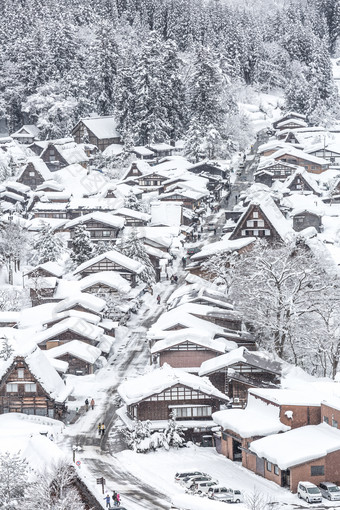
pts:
[159, 468]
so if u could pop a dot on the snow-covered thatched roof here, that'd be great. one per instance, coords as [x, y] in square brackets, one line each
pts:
[40, 166]
[74, 324]
[100, 217]
[139, 388]
[195, 336]
[117, 258]
[102, 127]
[77, 349]
[110, 278]
[241, 355]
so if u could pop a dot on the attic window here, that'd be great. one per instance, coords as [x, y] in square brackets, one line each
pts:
[30, 387]
[11, 387]
[20, 373]
[255, 214]
[31, 174]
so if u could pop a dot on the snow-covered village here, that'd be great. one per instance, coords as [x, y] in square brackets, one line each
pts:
[169, 254]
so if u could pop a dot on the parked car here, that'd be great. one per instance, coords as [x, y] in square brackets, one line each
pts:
[192, 251]
[188, 482]
[310, 492]
[214, 491]
[224, 494]
[200, 487]
[330, 491]
[180, 476]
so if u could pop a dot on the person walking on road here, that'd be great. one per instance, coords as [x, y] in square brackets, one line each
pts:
[108, 501]
[87, 404]
[102, 428]
[158, 299]
[92, 403]
[99, 428]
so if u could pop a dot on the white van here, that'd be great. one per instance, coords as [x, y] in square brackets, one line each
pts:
[310, 492]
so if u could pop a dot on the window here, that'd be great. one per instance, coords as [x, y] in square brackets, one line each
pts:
[334, 423]
[269, 466]
[260, 223]
[31, 174]
[276, 470]
[325, 419]
[20, 373]
[267, 232]
[250, 223]
[11, 387]
[317, 470]
[30, 387]
[106, 233]
[255, 214]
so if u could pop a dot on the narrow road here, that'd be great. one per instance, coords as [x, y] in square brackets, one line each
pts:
[100, 455]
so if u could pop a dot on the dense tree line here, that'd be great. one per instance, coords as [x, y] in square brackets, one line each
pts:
[166, 68]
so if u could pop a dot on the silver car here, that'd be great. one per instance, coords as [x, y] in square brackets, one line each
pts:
[330, 491]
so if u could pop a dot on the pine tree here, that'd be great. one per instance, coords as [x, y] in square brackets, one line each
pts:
[13, 480]
[173, 432]
[48, 246]
[134, 248]
[6, 350]
[81, 245]
[132, 202]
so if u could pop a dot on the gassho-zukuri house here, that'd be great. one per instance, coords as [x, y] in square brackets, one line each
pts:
[156, 394]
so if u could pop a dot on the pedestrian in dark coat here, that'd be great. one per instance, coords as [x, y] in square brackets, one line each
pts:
[103, 429]
[158, 299]
[87, 404]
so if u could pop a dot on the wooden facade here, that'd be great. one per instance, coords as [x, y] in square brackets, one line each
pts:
[82, 131]
[21, 392]
[76, 365]
[186, 354]
[188, 403]
[306, 219]
[310, 166]
[254, 223]
[106, 264]
[99, 231]
[64, 337]
[31, 176]
[300, 183]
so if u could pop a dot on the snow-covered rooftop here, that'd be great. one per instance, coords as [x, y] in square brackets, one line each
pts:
[241, 355]
[158, 380]
[110, 278]
[100, 217]
[77, 349]
[93, 303]
[102, 127]
[291, 397]
[298, 446]
[225, 245]
[117, 258]
[74, 324]
[203, 338]
[257, 419]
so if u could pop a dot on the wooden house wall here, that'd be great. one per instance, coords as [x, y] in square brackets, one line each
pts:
[76, 366]
[108, 265]
[63, 338]
[102, 144]
[252, 226]
[33, 181]
[160, 410]
[36, 402]
[183, 359]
